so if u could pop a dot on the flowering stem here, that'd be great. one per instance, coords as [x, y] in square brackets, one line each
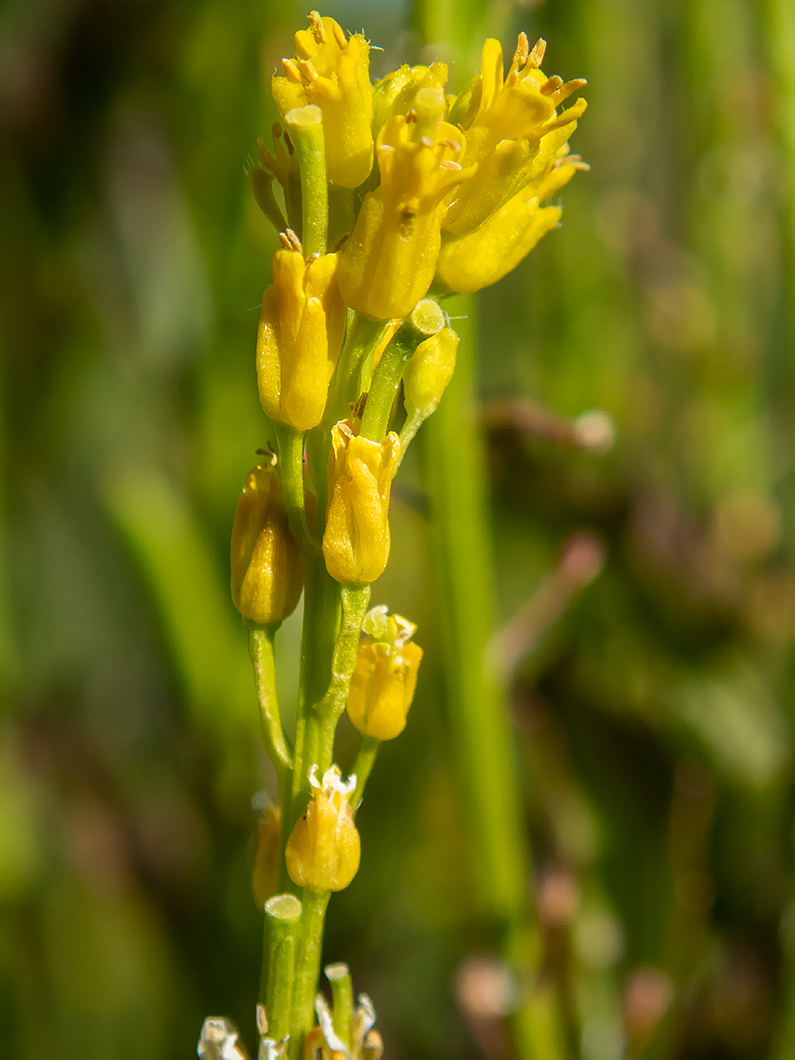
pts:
[305, 126]
[260, 646]
[363, 766]
[307, 967]
[282, 921]
[291, 475]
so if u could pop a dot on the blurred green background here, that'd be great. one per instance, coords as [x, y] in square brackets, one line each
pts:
[646, 595]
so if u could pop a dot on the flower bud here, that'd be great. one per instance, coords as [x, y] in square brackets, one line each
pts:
[356, 538]
[332, 71]
[428, 372]
[383, 682]
[299, 337]
[387, 265]
[267, 563]
[323, 850]
[394, 94]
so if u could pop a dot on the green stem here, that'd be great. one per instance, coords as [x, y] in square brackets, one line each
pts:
[333, 617]
[339, 977]
[282, 923]
[363, 766]
[322, 616]
[260, 646]
[291, 476]
[426, 320]
[307, 968]
[353, 367]
[354, 599]
[305, 126]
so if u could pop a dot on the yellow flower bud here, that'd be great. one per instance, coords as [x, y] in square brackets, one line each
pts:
[394, 94]
[356, 538]
[513, 130]
[428, 372]
[383, 682]
[387, 265]
[299, 337]
[265, 875]
[267, 563]
[333, 72]
[323, 850]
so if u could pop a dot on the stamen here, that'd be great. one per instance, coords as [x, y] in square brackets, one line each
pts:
[316, 26]
[570, 88]
[551, 86]
[340, 38]
[522, 52]
[536, 56]
[308, 72]
[291, 71]
[293, 242]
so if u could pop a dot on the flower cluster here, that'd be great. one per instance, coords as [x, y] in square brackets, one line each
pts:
[433, 192]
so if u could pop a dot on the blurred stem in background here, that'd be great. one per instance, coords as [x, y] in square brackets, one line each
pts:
[479, 718]
[478, 705]
[780, 41]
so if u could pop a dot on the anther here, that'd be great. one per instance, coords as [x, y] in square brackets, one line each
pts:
[537, 53]
[316, 26]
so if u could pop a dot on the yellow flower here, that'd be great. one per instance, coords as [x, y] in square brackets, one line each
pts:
[388, 264]
[356, 538]
[484, 256]
[384, 680]
[332, 71]
[323, 850]
[513, 130]
[299, 337]
[267, 563]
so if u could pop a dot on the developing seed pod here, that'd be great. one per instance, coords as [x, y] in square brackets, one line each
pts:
[428, 372]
